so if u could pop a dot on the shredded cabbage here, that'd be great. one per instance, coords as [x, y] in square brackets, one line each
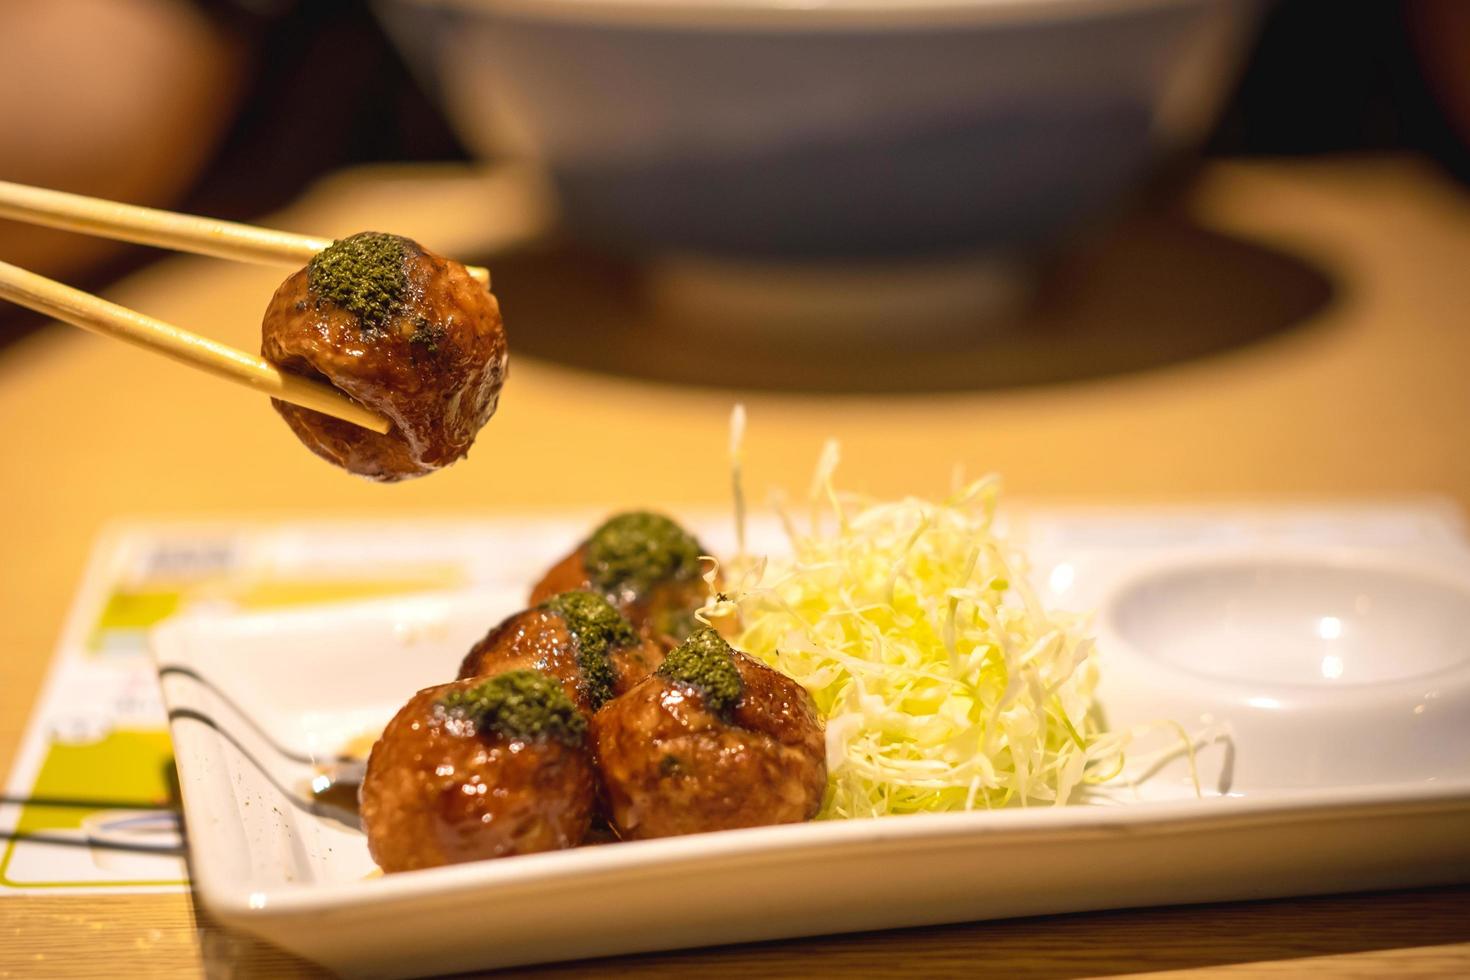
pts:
[944, 682]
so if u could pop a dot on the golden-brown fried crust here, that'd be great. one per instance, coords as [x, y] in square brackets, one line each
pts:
[649, 612]
[567, 575]
[533, 639]
[538, 639]
[434, 370]
[671, 766]
[632, 664]
[437, 792]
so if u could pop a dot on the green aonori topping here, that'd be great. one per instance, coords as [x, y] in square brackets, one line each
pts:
[639, 549]
[525, 704]
[705, 661]
[598, 629]
[426, 335]
[363, 274]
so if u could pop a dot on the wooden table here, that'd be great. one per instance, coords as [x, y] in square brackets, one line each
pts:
[1296, 331]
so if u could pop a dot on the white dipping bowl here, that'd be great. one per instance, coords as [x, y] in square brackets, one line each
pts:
[1298, 623]
[1329, 669]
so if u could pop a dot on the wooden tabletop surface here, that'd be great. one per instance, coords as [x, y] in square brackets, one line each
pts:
[1290, 332]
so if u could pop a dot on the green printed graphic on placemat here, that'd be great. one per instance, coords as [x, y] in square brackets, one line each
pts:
[129, 613]
[283, 592]
[125, 770]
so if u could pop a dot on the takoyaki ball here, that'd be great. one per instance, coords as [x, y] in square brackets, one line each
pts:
[712, 741]
[479, 769]
[646, 565]
[576, 637]
[410, 334]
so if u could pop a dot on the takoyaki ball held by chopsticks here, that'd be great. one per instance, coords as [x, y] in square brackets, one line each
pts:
[479, 769]
[578, 638]
[711, 741]
[645, 564]
[403, 331]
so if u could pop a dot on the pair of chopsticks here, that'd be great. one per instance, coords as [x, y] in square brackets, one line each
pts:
[185, 233]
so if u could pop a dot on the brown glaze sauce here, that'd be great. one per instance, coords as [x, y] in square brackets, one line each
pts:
[650, 612]
[439, 791]
[538, 639]
[670, 765]
[434, 369]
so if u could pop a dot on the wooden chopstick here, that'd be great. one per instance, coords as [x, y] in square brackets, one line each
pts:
[166, 229]
[100, 316]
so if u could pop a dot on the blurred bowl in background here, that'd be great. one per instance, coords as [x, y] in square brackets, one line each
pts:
[822, 130]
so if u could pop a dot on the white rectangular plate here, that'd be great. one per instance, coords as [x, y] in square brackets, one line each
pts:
[1347, 763]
